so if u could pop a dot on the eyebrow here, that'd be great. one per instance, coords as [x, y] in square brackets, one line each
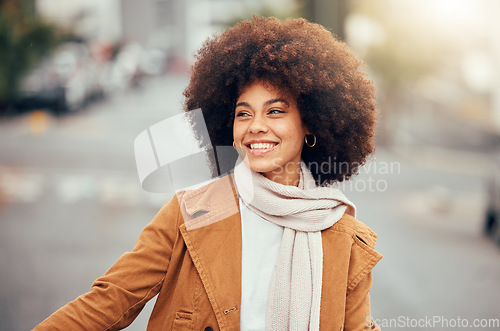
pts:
[267, 103]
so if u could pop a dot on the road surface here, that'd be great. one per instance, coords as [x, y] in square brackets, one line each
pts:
[71, 204]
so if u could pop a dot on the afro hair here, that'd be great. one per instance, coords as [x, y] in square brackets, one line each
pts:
[335, 99]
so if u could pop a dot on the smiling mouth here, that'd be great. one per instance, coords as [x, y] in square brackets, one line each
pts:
[261, 146]
[261, 149]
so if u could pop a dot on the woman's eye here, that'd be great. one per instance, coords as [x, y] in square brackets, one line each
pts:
[242, 114]
[276, 111]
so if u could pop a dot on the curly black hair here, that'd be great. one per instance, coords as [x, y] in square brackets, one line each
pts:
[335, 99]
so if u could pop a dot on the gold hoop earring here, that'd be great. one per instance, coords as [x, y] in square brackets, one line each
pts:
[307, 143]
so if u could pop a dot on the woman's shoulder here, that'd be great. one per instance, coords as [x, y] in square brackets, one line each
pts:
[206, 201]
[352, 243]
[356, 229]
[203, 195]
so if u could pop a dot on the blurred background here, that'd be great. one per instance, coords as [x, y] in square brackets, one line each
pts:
[79, 80]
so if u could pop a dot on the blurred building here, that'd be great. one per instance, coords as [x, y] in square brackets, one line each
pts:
[180, 26]
[95, 20]
[184, 25]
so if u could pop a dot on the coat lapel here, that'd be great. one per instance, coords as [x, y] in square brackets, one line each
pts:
[212, 233]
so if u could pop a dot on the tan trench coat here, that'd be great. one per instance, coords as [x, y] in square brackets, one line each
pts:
[191, 255]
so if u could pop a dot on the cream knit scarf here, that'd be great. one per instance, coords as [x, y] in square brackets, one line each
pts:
[295, 291]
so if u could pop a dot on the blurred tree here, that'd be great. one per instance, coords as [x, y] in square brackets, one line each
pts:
[295, 8]
[400, 48]
[329, 13]
[24, 40]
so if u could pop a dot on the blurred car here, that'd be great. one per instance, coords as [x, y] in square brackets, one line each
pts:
[126, 71]
[132, 65]
[64, 82]
[492, 214]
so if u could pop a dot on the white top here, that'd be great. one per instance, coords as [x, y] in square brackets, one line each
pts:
[260, 244]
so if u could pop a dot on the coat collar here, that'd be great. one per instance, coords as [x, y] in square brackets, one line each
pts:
[212, 233]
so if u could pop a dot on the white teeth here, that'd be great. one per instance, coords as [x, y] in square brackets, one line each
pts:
[262, 146]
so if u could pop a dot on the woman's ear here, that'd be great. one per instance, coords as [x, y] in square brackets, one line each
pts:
[306, 129]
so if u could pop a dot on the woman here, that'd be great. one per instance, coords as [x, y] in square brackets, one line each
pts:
[273, 246]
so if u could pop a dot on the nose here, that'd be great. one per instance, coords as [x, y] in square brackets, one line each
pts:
[257, 125]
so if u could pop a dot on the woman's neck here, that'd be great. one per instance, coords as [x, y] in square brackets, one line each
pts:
[288, 175]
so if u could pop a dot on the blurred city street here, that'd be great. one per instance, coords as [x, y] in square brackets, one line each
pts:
[70, 198]
[71, 204]
[437, 263]
[80, 80]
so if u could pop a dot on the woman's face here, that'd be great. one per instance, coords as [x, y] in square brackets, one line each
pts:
[268, 132]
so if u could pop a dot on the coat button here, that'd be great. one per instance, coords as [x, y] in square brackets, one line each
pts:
[209, 328]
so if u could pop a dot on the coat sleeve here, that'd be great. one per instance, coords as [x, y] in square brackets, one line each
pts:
[358, 312]
[116, 298]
